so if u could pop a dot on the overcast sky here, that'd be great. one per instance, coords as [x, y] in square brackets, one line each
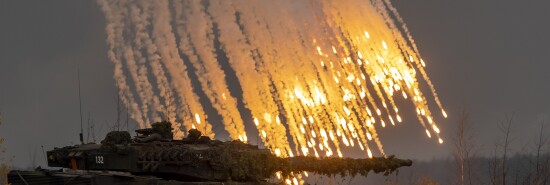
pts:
[490, 57]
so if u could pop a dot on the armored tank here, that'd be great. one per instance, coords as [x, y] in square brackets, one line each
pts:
[197, 158]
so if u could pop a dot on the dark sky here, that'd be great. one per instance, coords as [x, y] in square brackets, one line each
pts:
[490, 57]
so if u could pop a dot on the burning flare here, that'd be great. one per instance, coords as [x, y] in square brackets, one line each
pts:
[316, 75]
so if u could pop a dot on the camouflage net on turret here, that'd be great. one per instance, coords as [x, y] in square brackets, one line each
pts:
[243, 161]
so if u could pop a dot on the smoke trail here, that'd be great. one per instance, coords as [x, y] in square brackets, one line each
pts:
[241, 58]
[198, 29]
[193, 114]
[269, 64]
[143, 40]
[132, 70]
[139, 71]
[115, 40]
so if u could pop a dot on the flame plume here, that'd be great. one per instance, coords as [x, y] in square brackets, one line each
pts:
[316, 75]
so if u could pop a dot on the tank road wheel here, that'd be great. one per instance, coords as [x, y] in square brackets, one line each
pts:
[187, 157]
[146, 166]
[181, 156]
[154, 167]
[149, 156]
[158, 155]
[142, 156]
[166, 155]
[174, 156]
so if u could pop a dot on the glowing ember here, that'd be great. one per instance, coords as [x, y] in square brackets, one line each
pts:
[326, 74]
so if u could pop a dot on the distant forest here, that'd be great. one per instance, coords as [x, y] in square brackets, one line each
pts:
[529, 165]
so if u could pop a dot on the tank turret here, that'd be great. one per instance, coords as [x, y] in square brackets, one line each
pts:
[197, 158]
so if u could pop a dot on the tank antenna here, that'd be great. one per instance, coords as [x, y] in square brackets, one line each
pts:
[118, 112]
[127, 129]
[44, 153]
[80, 107]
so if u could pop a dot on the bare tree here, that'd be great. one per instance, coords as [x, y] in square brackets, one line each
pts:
[541, 159]
[4, 163]
[546, 167]
[493, 166]
[464, 146]
[499, 164]
[505, 128]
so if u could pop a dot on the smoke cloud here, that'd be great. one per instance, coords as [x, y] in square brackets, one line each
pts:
[316, 75]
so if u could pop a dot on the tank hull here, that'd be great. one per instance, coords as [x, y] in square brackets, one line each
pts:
[47, 177]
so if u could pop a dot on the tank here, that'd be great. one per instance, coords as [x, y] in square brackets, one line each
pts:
[197, 158]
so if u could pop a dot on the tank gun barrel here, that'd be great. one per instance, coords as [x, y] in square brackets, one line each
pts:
[244, 162]
[342, 166]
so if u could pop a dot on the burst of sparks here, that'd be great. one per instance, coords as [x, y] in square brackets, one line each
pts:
[328, 85]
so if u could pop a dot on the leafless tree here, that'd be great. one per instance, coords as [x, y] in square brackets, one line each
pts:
[493, 163]
[464, 146]
[505, 128]
[546, 167]
[541, 164]
[4, 163]
[499, 164]
[493, 166]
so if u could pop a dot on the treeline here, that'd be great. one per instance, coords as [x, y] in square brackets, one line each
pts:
[521, 169]
[471, 164]
[500, 166]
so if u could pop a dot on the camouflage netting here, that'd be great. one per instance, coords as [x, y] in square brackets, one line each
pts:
[114, 138]
[342, 166]
[243, 161]
[163, 128]
[245, 164]
[117, 138]
[194, 135]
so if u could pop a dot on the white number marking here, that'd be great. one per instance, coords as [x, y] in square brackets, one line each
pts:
[99, 159]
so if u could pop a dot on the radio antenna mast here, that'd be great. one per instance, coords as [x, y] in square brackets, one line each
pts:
[80, 107]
